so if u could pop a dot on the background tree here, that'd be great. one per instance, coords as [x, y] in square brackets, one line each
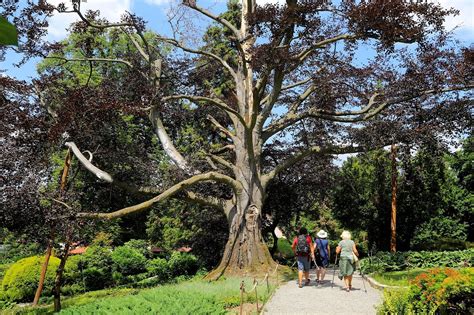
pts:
[295, 66]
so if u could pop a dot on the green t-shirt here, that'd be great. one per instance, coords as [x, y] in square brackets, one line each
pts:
[346, 247]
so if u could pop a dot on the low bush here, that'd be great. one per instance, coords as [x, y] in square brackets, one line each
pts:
[128, 260]
[140, 245]
[437, 291]
[158, 267]
[183, 264]
[21, 279]
[189, 297]
[384, 261]
[96, 266]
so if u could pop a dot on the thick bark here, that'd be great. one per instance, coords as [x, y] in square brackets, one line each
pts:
[245, 251]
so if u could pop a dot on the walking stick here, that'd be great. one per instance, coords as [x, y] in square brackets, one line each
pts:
[334, 273]
[362, 275]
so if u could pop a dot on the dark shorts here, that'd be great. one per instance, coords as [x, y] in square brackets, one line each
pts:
[303, 263]
[322, 261]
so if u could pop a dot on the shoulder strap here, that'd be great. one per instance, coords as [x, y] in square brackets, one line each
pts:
[322, 247]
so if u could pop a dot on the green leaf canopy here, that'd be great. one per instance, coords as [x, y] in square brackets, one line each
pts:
[8, 33]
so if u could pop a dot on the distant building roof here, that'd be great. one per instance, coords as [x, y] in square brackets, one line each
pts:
[184, 249]
[78, 250]
[156, 250]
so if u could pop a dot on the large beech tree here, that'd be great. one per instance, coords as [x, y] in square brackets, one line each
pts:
[276, 85]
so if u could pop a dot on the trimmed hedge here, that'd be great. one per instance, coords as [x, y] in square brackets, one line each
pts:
[21, 279]
[384, 261]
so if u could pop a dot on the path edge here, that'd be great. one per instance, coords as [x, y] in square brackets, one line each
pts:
[377, 285]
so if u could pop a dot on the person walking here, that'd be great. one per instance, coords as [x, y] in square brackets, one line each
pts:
[304, 251]
[347, 249]
[322, 254]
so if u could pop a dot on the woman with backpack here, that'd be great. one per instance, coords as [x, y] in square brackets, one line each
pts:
[322, 254]
[304, 250]
[348, 250]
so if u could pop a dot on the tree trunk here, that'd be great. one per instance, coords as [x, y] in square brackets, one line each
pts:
[59, 278]
[62, 188]
[44, 268]
[393, 221]
[245, 251]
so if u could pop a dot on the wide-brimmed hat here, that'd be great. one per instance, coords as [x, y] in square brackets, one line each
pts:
[322, 234]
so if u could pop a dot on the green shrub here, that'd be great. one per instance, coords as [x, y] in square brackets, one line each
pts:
[21, 279]
[96, 265]
[183, 264]
[72, 289]
[384, 261]
[431, 235]
[284, 253]
[15, 250]
[140, 245]
[437, 291]
[72, 272]
[158, 267]
[444, 290]
[395, 302]
[128, 260]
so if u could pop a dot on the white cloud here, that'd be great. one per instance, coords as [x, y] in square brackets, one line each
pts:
[109, 9]
[158, 2]
[465, 19]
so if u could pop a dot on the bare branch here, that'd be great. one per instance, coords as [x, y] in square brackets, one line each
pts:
[215, 101]
[88, 165]
[363, 114]
[62, 203]
[77, 10]
[201, 52]
[210, 176]
[167, 143]
[302, 56]
[220, 127]
[229, 147]
[91, 60]
[136, 44]
[266, 178]
[204, 200]
[222, 161]
[218, 19]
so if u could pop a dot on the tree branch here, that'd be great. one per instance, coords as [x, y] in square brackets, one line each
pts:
[363, 114]
[204, 200]
[220, 127]
[266, 178]
[92, 60]
[88, 165]
[218, 19]
[302, 56]
[173, 190]
[215, 101]
[201, 52]
[167, 143]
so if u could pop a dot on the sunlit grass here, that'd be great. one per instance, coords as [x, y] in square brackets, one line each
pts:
[398, 278]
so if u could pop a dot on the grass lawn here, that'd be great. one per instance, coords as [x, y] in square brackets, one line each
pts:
[188, 297]
[397, 278]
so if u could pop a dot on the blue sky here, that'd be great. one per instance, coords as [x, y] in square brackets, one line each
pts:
[155, 13]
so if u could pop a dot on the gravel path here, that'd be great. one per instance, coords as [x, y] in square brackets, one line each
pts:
[322, 299]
